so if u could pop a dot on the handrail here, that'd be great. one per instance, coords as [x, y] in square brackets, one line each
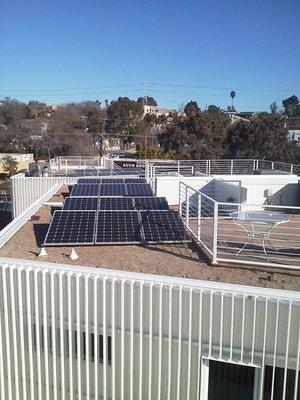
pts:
[256, 291]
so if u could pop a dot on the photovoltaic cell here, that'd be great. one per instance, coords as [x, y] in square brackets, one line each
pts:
[139, 189]
[71, 227]
[89, 180]
[81, 203]
[118, 227]
[117, 189]
[116, 203]
[162, 227]
[151, 203]
[85, 190]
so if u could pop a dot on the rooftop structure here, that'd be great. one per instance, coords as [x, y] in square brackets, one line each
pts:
[153, 320]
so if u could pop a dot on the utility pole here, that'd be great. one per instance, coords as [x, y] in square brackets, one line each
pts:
[145, 97]
[145, 91]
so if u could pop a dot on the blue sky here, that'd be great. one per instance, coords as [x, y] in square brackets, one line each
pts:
[60, 51]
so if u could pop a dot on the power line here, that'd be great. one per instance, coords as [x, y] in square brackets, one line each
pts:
[77, 88]
[147, 84]
[223, 88]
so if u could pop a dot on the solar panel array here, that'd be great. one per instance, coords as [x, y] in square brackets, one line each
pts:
[109, 213]
[111, 180]
[91, 172]
[112, 227]
[111, 189]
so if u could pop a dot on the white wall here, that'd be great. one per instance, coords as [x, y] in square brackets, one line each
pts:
[160, 327]
[250, 188]
[168, 186]
[283, 188]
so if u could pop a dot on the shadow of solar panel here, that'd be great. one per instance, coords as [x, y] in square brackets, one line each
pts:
[151, 203]
[71, 228]
[81, 203]
[112, 180]
[85, 190]
[163, 227]
[135, 180]
[116, 203]
[139, 189]
[110, 189]
[89, 180]
[118, 227]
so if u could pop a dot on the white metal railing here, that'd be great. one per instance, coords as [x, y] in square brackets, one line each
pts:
[218, 167]
[82, 333]
[181, 167]
[226, 239]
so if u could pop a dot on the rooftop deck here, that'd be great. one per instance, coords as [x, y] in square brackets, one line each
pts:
[184, 260]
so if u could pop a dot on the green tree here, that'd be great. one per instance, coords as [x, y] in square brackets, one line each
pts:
[9, 165]
[197, 135]
[291, 106]
[262, 137]
[125, 117]
[232, 95]
[12, 111]
[191, 108]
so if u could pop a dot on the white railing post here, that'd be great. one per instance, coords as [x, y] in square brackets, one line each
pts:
[153, 176]
[199, 218]
[147, 171]
[231, 167]
[292, 168]
[208, 167]
[178, 168]
[254, 165]
[187, 207]
[180, 197]
[66, 165]
[215, 233]
[272, 165]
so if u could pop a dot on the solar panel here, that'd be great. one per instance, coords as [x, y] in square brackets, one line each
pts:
[81, 203]
[112, 180]
[71, 227]
[117, 189]
[139, 189]
[85, 190]
[118, 227]
[162, 227]
[89, 180]
[116, 203]
[135, 180]
[151, 203]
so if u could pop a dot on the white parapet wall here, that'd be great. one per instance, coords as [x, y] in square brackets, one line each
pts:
[79, 332]
[27, 190]
[267, 189]
[252, 189]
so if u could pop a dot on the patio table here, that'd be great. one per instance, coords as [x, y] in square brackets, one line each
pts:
[250, 221]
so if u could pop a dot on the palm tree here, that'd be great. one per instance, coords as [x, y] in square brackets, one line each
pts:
[232, 95]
